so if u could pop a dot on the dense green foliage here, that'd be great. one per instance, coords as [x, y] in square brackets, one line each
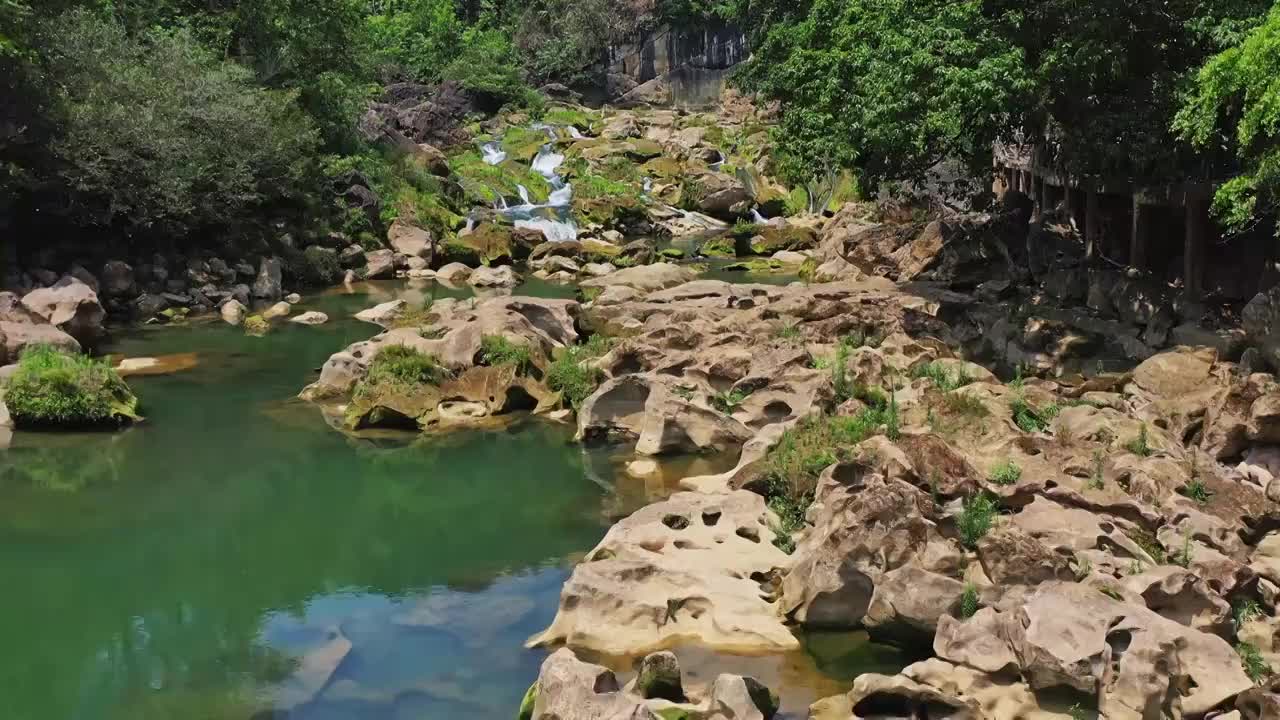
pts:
[53, 388]
[573, 374]
[891, 87]
[497, 350]
[1236, 104]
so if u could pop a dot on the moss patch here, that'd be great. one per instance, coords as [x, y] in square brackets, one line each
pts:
[54, 389]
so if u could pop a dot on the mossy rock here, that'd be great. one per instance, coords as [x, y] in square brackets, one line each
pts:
[643, 149]
[759, 266]
[608, 211]
[663, 168]
[489, 244]
[659, 677]
[720, 246]
[671, 253]
[52, 388]
[256, 325]
[773, 238]
[672, 713]
[484, 184]
[523, 144]
[526, 705]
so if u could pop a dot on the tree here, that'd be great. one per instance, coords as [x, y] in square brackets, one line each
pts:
[156, 133]
[890, 87]
[1235, 104]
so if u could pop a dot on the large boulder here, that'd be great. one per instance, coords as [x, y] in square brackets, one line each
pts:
[716, 194]
[501, 276]
[380, 265]
[693, 568]
[645, 278]
[410, 240]
[874, 543]
[70, 306]
[1141, 664]
[18, 336]
[117, 280]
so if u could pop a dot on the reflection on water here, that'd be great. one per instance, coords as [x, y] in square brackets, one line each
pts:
[233, 555]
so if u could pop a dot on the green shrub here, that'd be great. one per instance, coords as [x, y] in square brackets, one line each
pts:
[844, 390]
[571, 375]
[53, 388]
[1244, 611]
[400, 367]
[969, 601]
[159, 133]
[1140, 445]
[977, 515]
[803, 452]
[486, 64]
[791, 334]
[1196, 490]
[728, 401]
[497, 350]
[941, 378]
[1006, 473]
[320, 266]
[1027, 417]
[1253, 663]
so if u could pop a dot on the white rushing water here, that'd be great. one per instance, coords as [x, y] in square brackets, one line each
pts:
[757, 218]
[552, 218]
[493, 152]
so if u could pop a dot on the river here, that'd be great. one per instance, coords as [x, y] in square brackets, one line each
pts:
[234, 558]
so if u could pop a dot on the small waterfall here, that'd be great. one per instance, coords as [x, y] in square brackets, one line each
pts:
[552, 219]
[757, 218]
[648, 185]
[573, 133]
[493, 153]
[718, 163]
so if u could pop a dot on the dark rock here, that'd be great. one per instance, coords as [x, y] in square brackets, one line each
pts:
[352, 256]
[268, 285]
[117, 279]
[148, 305]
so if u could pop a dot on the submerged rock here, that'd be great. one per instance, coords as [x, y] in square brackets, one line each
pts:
[312, 317]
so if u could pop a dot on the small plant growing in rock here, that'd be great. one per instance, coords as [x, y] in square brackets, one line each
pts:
[892, 422]
[1028, 418]
[969, 601]
[808, 270]
[496, 350]
[1183, 556]
[1196, 490]
[976, 517]
[1244, 611]
[572, 375]
[1251, 660]
[1096, 481]
[684, 392]
[840, 375]
[791, 334]
[1084, 566]
[1111, 592]
[728, 401]
[1077, 712]
[1006, 473]
[1149, 545]
[1140, 445]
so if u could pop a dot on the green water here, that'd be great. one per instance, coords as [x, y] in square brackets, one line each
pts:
[202, 565]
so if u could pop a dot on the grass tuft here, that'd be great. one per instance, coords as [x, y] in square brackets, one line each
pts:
[571, 374]
[1006, 473]
[1140, 445]
[496, 350]
[400, 367]
[941, 377]
[976, 517]
[1253, 663]
[969, 601]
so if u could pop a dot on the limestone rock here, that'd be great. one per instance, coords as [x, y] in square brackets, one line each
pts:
[645, 278]
[280, 309]
[502, 276]
[18, 336]
[688, 569]
[380, 265]
[70, 306]
[454, 273]
[312, 317]
[659, 677]
[659, 420]
[233, 312]
[383, 314]
[410, 240]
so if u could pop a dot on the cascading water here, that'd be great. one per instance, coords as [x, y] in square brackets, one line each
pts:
[493, 153]
[757, 218]
[553, 218]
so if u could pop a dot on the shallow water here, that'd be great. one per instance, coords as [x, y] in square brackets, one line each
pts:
[234, 555]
